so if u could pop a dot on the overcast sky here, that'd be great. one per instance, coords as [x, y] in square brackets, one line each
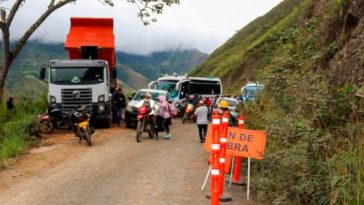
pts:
[201, 24]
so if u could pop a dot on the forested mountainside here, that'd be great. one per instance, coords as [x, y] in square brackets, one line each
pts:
[310, 56]
[163, 62]
[134, 71]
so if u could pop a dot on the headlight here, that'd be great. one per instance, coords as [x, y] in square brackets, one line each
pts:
[52, 99]
[101, 98]
[101, 108]
[129, 109]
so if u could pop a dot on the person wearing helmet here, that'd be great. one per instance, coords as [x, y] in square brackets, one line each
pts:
[201, 119]
[224, 105]
[152, 107]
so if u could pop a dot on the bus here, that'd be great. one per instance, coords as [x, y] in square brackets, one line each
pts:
[250, 91]
[180, 86]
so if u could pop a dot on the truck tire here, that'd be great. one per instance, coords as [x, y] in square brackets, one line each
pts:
[107, 123]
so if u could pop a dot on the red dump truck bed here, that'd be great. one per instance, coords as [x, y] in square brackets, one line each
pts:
[95, 33]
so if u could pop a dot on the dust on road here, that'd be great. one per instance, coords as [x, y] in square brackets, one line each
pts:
[115, 170]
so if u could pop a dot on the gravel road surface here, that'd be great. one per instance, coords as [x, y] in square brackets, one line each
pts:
[115, 170]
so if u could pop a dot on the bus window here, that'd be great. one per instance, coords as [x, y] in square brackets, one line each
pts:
[205, 87]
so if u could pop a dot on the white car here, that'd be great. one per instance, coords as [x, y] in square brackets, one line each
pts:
[131, 112]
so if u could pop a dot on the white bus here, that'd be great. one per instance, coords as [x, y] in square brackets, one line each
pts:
[180, 86]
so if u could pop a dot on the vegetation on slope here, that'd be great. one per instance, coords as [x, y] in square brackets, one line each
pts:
[16, 126]
[310, 59]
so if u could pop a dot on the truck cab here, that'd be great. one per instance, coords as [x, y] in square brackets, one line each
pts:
[72, 83]
[89, 75]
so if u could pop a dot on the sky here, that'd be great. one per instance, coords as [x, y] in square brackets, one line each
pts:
[201, 24]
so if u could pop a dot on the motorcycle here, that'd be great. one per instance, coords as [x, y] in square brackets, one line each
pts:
[188, 112]
[81, 125]
[145, 124]
[53, 118]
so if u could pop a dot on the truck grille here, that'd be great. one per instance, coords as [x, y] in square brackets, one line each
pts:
[73, 98]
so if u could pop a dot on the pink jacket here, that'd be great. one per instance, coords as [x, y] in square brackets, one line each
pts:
[165, 107]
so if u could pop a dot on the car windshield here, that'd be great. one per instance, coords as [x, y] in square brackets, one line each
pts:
[251, 91]
[155, 95]
[78, 75]
[168, 85]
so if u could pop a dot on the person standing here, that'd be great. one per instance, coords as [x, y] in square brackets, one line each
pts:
[201, 119]
[166, 111]
[10, 103]
[118, 103]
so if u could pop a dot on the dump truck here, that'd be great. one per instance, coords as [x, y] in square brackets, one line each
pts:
[88, 77]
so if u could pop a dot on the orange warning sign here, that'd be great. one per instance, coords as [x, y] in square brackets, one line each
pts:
[242, 142]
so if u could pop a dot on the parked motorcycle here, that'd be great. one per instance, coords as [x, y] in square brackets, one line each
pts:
[190, 108]
[81, 125]
[145, 124]
[53, 118]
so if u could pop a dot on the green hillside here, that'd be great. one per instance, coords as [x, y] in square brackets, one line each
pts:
[173, 61]
[309, 54]
[134, 71]
[24, 74]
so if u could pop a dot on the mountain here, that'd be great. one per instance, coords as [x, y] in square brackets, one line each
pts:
[134, 71]
[172, 61]
[309, 54]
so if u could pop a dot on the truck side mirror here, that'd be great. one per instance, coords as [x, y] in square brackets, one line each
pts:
[177, 86]
[42, 73]
[114, 73]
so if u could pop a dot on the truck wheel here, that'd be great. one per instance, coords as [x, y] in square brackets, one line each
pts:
[107, 123]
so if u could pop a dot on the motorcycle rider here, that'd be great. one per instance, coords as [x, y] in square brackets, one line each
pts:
[195, 100]
[152, 109]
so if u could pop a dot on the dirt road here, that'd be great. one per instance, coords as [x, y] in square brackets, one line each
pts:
[115, 170]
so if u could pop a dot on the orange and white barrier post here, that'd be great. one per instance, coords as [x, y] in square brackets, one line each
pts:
[236, 177]
[215, 156]
[223, 142]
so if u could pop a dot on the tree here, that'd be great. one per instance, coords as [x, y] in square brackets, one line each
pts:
[146, 10]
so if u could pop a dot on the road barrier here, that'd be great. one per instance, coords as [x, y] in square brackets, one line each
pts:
[236, 176]
[221, 141]
[215, 161]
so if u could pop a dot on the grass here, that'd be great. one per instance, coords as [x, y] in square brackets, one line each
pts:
[15, 126]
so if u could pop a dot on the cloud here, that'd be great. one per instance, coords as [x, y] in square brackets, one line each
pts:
[201, 24]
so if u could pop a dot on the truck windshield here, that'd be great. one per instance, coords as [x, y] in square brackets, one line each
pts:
[77, 75]
[168, 85]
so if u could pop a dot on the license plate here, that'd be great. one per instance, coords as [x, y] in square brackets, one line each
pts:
[83, 124]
